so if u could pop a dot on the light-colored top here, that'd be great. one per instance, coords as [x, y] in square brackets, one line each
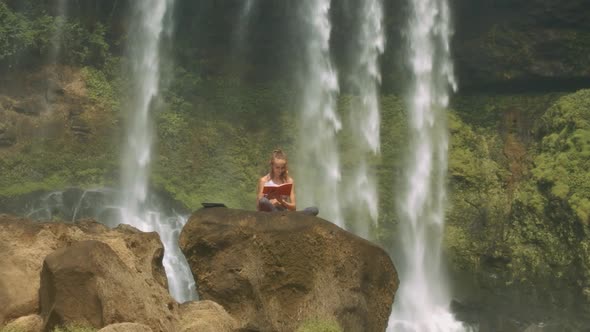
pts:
[270, 182]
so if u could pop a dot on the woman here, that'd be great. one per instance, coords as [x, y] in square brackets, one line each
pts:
[278, 175]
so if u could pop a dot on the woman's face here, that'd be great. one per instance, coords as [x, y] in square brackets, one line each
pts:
[279, 166]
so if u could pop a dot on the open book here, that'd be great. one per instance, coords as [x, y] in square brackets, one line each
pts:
[281, 189]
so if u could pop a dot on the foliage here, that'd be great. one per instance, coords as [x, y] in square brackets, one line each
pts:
[101, 89]
[562, 168]
[74, 328]
[219, 143]
[84, 45]
[319, 325]
[27, 34]
[47, 157]
[518, 171]
[478, 198]
[16, 33]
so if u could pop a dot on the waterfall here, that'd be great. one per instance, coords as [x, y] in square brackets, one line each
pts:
[243, 24]
[246, 10]
[364, 121]
[318, 171]
[422, 301]
[61, 13]
[145, 37]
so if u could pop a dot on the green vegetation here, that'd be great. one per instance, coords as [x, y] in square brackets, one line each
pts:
[518, 167]
[319, 325]
[74, 328]
[562, 168]
[24, 35]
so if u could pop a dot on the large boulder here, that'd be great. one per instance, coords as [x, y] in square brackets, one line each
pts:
[31, 323]
[204, 316]
[89, 284]
[85, 273]
[24, 244]
[275, 271]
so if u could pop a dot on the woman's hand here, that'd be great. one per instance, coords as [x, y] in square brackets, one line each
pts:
[275, 202]
[286, 204]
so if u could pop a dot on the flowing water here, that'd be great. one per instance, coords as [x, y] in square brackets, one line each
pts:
[104, 206]
[364, 119]
[145, 36]
[242, 25]
[61, 12]
[422, 302]
[318, 161]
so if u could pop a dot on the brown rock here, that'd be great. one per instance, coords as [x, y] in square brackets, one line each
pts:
[32, 106]
[7, 136]
[31, 323]
[205, 316]
[126, 327]
[89, 284]
[273, 271]
[24, 244]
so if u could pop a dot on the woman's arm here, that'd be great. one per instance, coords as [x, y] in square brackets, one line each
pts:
[291, 204]
[259, 189]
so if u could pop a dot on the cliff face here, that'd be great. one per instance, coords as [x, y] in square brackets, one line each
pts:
[510, 45]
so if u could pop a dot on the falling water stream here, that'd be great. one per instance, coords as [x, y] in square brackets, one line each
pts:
[145, 36]
[364, 121]
[318, 160]
[61, 11]
[422, 302]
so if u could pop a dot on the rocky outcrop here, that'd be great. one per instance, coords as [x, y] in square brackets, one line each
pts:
[89, 284]
[126, 327]
[274, 271]
[24, 244]
[31, 323]
[204, 316]
[88, 274]
[515, 45]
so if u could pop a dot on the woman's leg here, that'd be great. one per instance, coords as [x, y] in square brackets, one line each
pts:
[265, 205]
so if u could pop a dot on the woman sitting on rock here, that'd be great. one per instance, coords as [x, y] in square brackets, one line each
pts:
[278, 175]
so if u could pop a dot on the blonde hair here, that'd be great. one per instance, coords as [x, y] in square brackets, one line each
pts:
[278, 154]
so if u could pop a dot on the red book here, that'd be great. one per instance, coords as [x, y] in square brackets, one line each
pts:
[281, 189]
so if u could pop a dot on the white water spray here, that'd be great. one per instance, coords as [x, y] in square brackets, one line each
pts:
[422, 302]
[145, 37]
[319, 174]
[243, 23]
[364, 121]
[247, 9]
